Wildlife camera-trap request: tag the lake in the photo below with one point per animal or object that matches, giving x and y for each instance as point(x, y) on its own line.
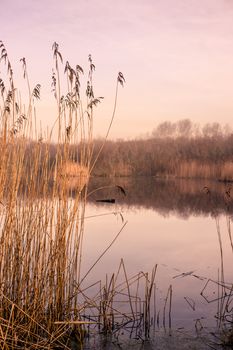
point(182, 227)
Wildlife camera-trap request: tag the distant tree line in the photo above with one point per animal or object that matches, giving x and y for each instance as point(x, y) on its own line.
point(180, 149)
point(185, 128)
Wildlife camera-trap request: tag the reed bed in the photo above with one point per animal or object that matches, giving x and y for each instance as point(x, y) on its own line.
point(41, 227)
point(43, 302)
point(199, 170)
point(195, 169)
point(123, 305)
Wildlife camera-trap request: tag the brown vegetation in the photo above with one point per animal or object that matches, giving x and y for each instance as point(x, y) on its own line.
point(43, 302)
point(73, 175)
point(206, 154)
point(41, 234)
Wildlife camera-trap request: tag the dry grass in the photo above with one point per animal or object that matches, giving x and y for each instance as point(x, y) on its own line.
point(41, 227)
point(73, 175)
point(195, 169)
point(199, 170)
point(41, 235)
point(43, 302)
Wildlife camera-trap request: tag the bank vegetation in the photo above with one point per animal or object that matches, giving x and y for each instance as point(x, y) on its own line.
point(182, 150)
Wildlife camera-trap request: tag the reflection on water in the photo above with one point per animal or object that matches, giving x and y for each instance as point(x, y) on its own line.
point(180, 197)
point(187, 251)
point(160, 341)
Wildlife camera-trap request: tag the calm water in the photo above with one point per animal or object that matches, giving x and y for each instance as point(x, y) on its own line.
point(178, 225)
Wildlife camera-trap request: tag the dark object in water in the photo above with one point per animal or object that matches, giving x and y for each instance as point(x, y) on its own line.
point(111, 200)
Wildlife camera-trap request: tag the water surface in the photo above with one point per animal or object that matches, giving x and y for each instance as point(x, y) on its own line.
point(178, 226)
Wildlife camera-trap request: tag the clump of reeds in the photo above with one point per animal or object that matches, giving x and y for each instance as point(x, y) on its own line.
point(123, 305)
point(197, 169)
point(41, 226)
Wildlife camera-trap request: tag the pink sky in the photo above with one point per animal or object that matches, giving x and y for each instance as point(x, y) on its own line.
point(176, 55)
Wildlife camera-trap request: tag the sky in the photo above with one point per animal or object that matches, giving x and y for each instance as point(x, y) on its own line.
point(176, 56)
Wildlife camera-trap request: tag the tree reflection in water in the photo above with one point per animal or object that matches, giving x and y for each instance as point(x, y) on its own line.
point(174, 196)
